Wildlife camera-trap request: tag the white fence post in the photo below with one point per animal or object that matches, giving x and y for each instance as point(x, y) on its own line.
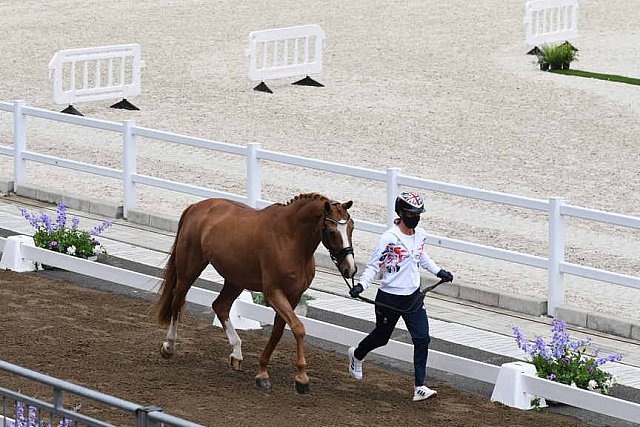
point(19, 145)
point(392, 193)
point(129, 167)
point(254, 178)
point(555, 290)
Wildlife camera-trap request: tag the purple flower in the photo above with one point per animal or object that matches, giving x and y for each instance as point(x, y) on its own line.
point(31, 217)
point(53, 244)
point(76, 222)
point(523, 344)
point(32, 419)
point(567, 357)
point(61, 218)
point(540, 347)
point(47, 222)
point(100, 228)
point(560, 338)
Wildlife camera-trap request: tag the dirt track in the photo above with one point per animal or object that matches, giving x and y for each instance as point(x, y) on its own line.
point(110, 343)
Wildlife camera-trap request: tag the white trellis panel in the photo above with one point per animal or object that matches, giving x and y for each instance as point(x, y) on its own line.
point(285, 52)
point(96, 73)
point(549, 21)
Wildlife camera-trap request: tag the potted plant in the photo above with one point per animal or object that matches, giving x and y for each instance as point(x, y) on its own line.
point(60, 236)
point(567, 361)
point(556, 57)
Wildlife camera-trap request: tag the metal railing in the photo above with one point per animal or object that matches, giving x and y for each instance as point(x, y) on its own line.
point(145, 416)
point(556, 208)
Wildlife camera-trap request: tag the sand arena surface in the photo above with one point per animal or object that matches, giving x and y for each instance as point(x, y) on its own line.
point(110, 343)
point(442, 90)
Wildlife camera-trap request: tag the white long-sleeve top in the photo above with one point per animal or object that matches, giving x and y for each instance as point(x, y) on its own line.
point(398, 256)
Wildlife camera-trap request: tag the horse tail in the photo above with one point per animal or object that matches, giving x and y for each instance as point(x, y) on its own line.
point(164, 305)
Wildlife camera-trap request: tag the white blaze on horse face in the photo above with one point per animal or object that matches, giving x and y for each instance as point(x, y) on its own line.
point(351, 262)
point(234, 340)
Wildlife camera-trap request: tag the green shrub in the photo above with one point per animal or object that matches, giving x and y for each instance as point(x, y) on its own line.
point(556, 57)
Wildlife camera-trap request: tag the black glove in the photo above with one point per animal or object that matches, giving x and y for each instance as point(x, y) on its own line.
point(445, 275)
point(356, 290)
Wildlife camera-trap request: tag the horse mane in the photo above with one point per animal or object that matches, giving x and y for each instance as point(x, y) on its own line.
point(307, 196)
point(303, 197)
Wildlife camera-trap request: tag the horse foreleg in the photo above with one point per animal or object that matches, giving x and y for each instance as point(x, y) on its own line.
point(262, 378)
point(221, 306)
point(169, 346)
point(235, 358)
point(284, 309)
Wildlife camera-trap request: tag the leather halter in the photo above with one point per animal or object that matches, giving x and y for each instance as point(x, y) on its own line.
point(336, 256)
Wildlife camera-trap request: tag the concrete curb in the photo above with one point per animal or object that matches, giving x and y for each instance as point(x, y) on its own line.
point(84, 205)
point(6, 187)
point(619, 326)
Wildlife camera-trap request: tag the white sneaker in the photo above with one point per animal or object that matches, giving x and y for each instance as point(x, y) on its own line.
point(423, 392)
point(355, 365)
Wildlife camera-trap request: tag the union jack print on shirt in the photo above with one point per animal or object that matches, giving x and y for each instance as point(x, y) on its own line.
point(392, 256)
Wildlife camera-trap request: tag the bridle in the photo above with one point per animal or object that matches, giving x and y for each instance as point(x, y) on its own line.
point(336, 256)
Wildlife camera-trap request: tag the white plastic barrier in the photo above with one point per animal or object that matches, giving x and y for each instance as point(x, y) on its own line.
point(285, 52)
point(96, 73)
point(508, 389)
point(549, 21)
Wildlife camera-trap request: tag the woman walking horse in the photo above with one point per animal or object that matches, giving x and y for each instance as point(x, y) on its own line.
point(269, 251)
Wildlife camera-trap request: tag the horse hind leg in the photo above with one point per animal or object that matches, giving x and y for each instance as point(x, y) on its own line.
point(185, 278)
point(168, 347)
point(221, 307)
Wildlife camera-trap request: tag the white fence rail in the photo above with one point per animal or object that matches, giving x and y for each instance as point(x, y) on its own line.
point(556, 208)
point(468, 368)
point(549, 21)
point(96, 73)
point(285, 52)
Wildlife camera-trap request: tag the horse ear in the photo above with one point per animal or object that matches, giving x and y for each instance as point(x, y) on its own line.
point(348, 204)
point(327, 207)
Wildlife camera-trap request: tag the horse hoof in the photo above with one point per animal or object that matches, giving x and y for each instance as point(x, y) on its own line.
point(164, 353)
point(263, 383)
point(235, 363)
point(302, 388)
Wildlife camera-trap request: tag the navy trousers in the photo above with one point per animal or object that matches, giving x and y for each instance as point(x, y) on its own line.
point(386, 320)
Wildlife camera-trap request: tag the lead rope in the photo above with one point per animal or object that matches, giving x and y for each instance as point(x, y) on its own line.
point(379, 304)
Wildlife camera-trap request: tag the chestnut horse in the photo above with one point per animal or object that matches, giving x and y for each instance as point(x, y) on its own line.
point(269, 250)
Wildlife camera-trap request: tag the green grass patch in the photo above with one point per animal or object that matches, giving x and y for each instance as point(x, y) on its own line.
point(599, 76)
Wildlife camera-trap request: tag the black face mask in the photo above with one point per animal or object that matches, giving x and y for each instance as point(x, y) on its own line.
point(411, 221)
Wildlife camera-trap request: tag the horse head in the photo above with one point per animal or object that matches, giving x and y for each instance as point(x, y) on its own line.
point(336, 236)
